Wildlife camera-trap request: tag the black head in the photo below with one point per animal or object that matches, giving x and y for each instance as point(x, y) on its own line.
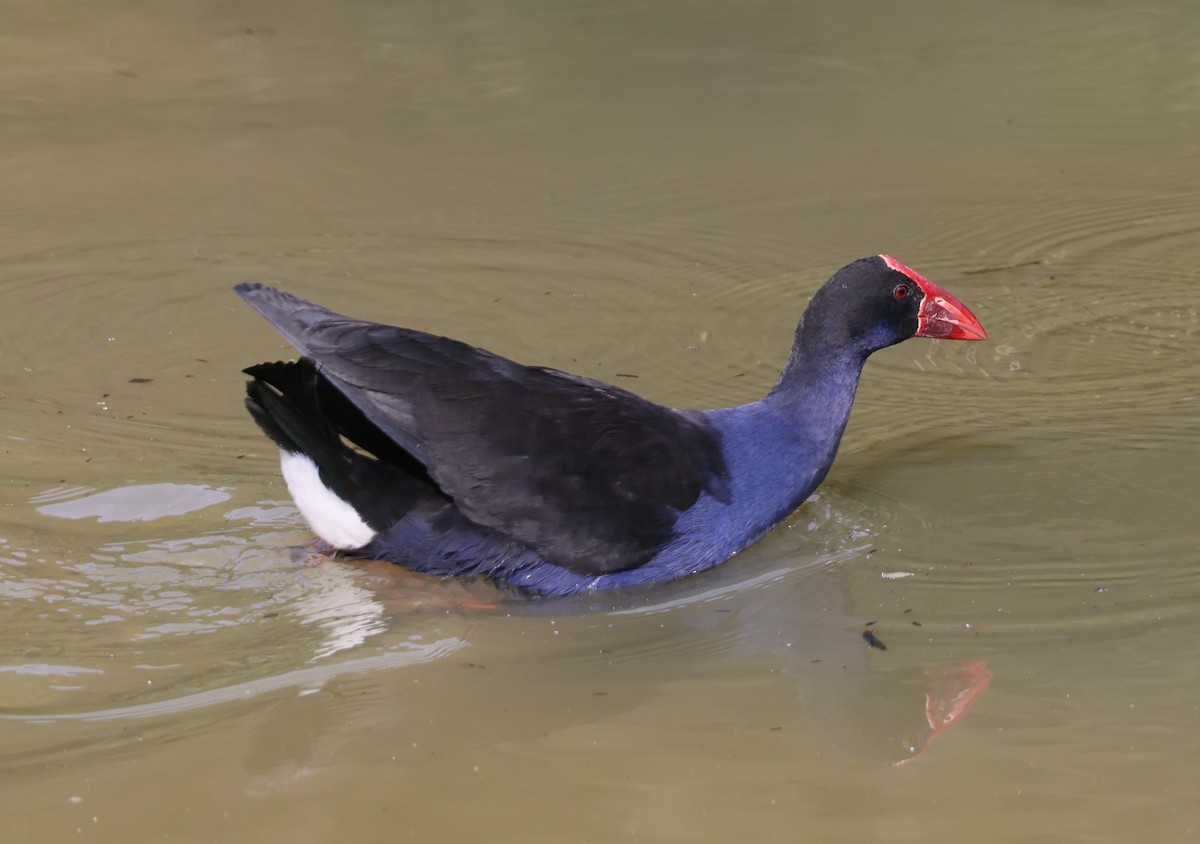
point(876, 302)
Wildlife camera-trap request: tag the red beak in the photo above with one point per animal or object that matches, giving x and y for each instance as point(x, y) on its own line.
point(940, 314)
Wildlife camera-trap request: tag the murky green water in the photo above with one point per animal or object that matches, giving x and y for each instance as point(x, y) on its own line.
point(645, 193)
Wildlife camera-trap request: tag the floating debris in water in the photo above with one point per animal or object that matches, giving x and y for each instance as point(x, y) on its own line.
point(871, 639)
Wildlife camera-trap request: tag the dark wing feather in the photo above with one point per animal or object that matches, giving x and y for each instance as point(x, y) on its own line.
point(590, 476)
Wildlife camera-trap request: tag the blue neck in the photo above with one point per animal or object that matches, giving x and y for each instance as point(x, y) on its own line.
point(777, 450)
point(780, 448)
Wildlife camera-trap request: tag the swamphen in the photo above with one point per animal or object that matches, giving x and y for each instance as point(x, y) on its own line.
point(467, 463)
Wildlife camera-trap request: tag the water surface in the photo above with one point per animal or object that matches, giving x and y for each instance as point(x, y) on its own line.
point(645, 194)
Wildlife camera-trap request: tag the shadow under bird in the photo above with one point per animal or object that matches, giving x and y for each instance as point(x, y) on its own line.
point(466, 463)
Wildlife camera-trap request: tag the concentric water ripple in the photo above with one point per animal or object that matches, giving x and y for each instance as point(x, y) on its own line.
point(1065, 443)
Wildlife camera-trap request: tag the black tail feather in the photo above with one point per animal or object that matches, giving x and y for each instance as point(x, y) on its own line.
point(302, 413)
point(289, 414)
point(315, 398)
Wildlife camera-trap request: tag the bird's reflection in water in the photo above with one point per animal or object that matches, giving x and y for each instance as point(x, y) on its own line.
point(867, 708)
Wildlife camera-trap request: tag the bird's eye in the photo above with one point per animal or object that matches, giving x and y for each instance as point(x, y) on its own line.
point(901, 292)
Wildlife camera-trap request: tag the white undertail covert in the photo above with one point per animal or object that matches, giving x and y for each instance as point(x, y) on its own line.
point(329, 516)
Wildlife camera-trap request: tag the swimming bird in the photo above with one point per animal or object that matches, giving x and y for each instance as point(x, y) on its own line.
point(447, 459)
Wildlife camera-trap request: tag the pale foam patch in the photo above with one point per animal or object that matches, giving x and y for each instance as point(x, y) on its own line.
point(329, 516)
point(134, 503)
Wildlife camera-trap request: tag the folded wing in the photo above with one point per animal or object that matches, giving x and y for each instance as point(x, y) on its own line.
point(590, 476)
